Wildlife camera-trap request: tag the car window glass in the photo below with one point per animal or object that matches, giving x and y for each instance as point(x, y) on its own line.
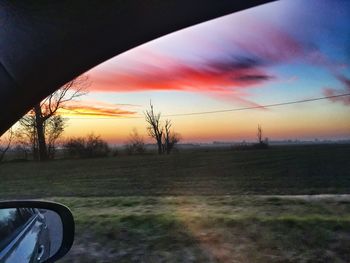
point(228, 141)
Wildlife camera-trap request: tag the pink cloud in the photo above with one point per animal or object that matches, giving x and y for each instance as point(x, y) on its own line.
point(333, 92)
point(234, 60)
point(148, 69)
point(177, 75)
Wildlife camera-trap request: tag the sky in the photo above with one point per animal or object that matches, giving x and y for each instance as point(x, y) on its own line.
point(279, 52)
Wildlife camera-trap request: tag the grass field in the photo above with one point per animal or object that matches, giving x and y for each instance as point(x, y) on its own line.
point(214, 205)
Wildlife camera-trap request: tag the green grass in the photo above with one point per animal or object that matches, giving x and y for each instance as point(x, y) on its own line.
point(199, 206)
point(210, 229)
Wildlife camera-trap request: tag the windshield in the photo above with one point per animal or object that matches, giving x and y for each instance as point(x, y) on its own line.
point(227, 141)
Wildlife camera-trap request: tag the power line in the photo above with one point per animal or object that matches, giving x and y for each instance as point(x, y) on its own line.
point(258, 107)
point(236, 109)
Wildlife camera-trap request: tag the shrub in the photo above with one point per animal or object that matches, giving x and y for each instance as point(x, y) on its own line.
point(96, 147)
point(262, 145)
point(90, 147)
point(115, 152)
point(75, 147)
point(135, 144)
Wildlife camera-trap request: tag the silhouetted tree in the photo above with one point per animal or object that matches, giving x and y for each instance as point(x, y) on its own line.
point(170, 139)
point(53, 131)
point(154, 128)
point(26, 135)
point(164, 137)
point(37, 120)
point(5, 143)
point(261, 144)
point(259, 134)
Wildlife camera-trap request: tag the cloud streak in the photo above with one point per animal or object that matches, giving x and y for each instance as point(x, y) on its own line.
point(245, 65)
point(97, 109)
point(181, 76)
point(219, 59)
point(333, 91)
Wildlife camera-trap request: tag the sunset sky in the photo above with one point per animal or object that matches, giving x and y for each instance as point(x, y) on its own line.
point(274, 53)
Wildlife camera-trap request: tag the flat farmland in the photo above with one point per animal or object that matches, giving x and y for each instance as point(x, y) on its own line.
point(210, 205)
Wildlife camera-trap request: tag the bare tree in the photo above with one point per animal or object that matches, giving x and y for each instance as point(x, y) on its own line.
point(170, 139)
point(48, 108)
point(26, 135)
point(53, 130)
point(5, 144)
point(262, 144)
point(165, 138)
point(260, 134)
point(154, 128)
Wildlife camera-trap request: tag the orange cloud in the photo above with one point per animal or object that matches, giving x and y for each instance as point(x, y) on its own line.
point(96, 109)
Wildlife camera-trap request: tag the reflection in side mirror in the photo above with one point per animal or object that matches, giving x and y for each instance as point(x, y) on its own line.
point(29, 232)
point(34, 234)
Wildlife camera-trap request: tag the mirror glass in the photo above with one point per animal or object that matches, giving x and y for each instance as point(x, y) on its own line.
point(29, 233)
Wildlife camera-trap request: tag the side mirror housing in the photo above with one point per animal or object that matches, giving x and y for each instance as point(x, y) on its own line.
point(34, 231)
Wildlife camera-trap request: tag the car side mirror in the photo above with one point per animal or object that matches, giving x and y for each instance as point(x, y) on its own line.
point(34, 231)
